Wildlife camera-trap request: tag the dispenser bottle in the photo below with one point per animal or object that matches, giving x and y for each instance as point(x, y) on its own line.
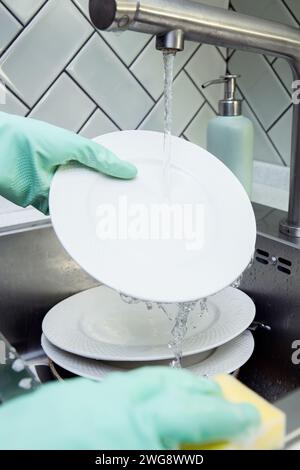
point(230, 136)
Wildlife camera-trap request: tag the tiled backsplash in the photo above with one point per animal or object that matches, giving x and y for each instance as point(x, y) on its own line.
point(266, 83)
point(58, 68)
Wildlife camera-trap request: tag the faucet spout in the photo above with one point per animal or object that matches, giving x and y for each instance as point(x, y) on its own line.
point(172, 41)
point(173, 21)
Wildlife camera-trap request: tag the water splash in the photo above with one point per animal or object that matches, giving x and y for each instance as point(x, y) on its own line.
point(251, 262)
point(168, 58)
point(179, 331)
point(164, 308)
point(180, 319)
point(237, 283)
point(203, 307)
point(129, 300)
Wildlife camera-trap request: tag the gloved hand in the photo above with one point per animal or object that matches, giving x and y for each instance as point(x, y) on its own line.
point(31, 151)
point(151, 408)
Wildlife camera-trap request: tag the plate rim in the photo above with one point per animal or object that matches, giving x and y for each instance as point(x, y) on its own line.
point(246, 336)
point(121, 354)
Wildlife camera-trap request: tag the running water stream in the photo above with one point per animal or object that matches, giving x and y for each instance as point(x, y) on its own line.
point(183, 310)
point(168, 57)
point(180, 327)
point(179, 320)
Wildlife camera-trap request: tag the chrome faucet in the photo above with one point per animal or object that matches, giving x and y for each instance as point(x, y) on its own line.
point(173, 21)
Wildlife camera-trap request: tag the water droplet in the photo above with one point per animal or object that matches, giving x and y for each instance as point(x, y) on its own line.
point(237, 283)
point(129, 300)
point(26, 384)
point(18, 365)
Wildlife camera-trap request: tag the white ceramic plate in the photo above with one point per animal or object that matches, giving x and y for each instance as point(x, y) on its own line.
point(225, 359)
point(104, 223)
point(97, 324)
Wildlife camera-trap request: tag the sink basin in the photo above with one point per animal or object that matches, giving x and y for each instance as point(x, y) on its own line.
point(36, 273)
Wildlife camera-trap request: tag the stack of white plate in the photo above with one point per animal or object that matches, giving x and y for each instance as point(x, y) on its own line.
point(95, 332)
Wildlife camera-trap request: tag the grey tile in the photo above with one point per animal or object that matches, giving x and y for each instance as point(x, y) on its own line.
point(295, 7)
point(259, 84)
point(127, 44)
point(224, 51)
point(270, 58)
point(197, 131)
point(281, 135)
point(268, 9)
point(208, 64)
point(64, 105)
point(111, 85)
point(148, 67)
point(285, 73)
point(215, 3)
point(24, 9)
point(43, 48)
point(10, 104)
point(9, 27)
point(187, 100)
point(97, 125)
point(84, 6)
point(263, 148)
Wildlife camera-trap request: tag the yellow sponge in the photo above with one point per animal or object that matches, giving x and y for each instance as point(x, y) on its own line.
point(272, 430)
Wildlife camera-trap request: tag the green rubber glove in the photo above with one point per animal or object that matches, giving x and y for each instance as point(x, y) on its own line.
point(31, 151)
point(151, 408)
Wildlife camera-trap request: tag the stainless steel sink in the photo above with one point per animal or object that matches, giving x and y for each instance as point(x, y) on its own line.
point(274, 284)
point(36, 273)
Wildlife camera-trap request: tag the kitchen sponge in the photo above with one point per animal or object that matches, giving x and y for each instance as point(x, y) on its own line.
point(271, 433)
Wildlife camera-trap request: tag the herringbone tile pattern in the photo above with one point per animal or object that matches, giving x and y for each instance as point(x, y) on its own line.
point(266, 83)
point(58, 68)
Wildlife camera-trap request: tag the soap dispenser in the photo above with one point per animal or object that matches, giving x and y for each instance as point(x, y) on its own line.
point(230, 136)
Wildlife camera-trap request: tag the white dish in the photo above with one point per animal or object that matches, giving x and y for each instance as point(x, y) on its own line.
point(88, 208)
point(225, 359)
point(97, 324)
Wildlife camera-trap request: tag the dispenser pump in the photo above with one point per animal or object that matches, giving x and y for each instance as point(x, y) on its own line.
point(230, 105)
